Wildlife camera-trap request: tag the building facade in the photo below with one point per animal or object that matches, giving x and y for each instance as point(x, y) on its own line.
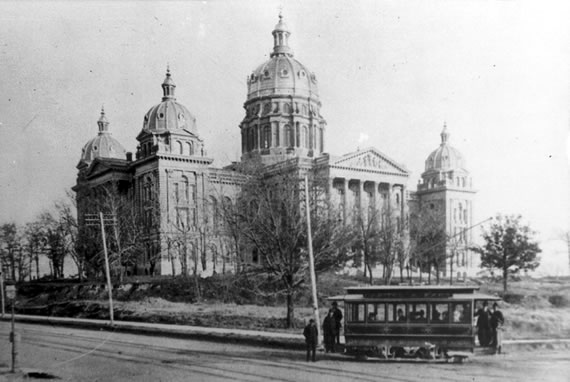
point(172, 180)
point(446, 188)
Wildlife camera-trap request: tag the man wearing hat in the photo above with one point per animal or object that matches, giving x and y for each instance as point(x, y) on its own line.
point(337, 314)
point(497, 320)
point(311, 334)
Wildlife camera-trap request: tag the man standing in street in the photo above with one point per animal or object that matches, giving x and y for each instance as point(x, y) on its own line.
point(311, 334)
point(337, 314)
point(329, 332)
point(484, 325)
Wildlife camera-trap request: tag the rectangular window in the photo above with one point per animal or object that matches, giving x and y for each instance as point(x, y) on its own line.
point(376, 312)
point(461, 312)
point(355, 312)
point(396, 312)
point(439, 313)
point(417, 312)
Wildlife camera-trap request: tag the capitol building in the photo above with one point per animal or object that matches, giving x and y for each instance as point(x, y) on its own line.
point(282, 126)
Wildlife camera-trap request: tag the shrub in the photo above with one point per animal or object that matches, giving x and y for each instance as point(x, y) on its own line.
point(559, 301)
point(513, 298)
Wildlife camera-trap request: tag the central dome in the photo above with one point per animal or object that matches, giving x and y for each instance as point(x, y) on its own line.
point(282, 74)
point(445, 157)
point(169, 115)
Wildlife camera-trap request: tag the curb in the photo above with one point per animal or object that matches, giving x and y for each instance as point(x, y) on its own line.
point(246, 337)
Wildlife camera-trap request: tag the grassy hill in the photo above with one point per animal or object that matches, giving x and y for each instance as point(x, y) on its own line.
point(533, 308)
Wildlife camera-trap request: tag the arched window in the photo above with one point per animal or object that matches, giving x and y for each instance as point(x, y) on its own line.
point(288, 136)
point(250, 139)
point(266, 136)
point(213, 218)
point(190, 148)
point(297, 134)
point(255, 137)
point(186, 188)
point(180, 147)
point(287, 108)
point(276, 134)
point(305, 142)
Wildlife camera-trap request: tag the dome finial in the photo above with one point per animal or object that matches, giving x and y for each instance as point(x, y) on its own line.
point(444, 134)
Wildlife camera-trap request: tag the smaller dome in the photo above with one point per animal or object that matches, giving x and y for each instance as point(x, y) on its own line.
point(103, 145)
point(169, 114)
point(445, 157)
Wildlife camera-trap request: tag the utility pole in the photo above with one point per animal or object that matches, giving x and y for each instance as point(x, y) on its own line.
point(91, 219)
point(14, 338)
point(2, 292)
point(311, 257)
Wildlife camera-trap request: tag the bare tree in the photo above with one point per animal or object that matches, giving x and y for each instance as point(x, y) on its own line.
point(428, 242)
point(272, 221)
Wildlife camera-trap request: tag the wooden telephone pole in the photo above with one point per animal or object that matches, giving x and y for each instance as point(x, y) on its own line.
point(91, 219)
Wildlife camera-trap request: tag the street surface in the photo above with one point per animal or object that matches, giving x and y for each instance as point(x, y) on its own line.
point(85, 355)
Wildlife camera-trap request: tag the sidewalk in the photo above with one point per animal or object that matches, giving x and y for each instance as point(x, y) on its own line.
point(248, 337)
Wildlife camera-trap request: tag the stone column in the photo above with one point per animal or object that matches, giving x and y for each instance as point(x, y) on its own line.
point(346, 206)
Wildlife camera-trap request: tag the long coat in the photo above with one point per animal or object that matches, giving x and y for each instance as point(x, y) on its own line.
point(311, 334)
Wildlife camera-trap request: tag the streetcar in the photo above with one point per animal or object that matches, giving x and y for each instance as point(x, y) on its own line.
point(427, 322)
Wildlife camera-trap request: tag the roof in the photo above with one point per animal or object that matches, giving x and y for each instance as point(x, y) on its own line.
point(456, 296)
point(452, 292)
point(412, 288)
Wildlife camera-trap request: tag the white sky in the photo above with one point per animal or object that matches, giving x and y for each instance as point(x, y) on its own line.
point(390, 73)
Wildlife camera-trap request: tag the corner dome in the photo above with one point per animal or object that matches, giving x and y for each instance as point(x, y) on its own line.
point(281, 74)
point(103, 145)
point(445, 157)
point(169, 115)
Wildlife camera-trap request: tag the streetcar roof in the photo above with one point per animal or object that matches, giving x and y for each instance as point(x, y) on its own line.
point(404, 289)
point(454, 297)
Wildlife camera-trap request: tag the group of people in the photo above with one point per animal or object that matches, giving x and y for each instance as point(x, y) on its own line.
point(331, 332)
point(488, 323)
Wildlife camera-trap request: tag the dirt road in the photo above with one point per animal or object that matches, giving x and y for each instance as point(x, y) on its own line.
point(84, 355)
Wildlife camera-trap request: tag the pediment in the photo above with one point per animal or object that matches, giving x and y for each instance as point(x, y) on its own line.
point(370, 159)
point(99, 166)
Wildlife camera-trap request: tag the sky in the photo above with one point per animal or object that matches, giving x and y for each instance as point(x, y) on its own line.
point(390, 74)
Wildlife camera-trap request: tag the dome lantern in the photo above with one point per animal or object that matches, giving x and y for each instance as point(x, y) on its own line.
point(168, 86)
point(103, 123)
point(444, 134)
point(281, 39)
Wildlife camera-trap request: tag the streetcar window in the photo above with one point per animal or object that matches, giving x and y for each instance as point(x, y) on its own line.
point(461, 312)
point(396, 312)
point(376, 312)
point(381, 312)
point(439, 312)
point(417, 312)
point(355, 312)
